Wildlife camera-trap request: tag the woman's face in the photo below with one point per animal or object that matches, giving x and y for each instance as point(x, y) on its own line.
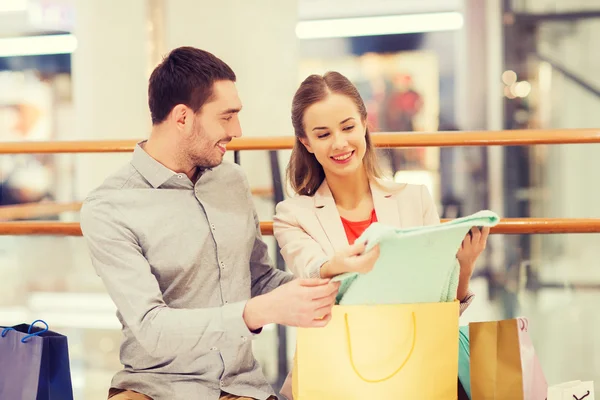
point(335, 134)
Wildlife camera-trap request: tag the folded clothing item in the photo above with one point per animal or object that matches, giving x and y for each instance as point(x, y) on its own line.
point(416, 265)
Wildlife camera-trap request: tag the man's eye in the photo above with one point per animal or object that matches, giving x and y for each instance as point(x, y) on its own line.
point(228, 118)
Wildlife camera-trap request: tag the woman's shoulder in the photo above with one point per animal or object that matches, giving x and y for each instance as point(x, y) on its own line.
point(294, 204)
point(399, 188)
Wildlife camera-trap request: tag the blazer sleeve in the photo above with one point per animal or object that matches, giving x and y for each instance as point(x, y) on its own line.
point(430, 214)
point(303, 255)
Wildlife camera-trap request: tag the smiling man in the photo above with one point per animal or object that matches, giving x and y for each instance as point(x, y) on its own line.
point(176, 240)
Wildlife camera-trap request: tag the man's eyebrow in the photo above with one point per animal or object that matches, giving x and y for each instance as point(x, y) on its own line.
point(232, 111)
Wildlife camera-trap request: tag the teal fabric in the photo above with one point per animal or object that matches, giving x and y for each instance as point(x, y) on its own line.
point(464, 359)
point(416, 265)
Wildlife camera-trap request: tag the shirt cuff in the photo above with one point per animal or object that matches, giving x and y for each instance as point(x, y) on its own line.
point(314, 270)
point(233, 321)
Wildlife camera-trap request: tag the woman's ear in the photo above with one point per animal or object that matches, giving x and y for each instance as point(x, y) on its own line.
point(306, 144)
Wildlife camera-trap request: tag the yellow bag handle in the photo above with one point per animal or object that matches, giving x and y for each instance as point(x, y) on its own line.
point(412, 347)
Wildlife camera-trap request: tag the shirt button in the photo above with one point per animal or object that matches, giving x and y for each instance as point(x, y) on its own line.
point(180, 176)
point(222, 383)
point(212, 226)
point(226, 302)
point(222, 265)
point(244, 339)
point(213, 348)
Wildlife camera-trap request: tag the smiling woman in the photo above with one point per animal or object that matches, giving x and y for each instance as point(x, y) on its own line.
point(333, 169)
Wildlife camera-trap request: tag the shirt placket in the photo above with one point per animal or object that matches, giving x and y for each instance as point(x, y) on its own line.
point(222, 271)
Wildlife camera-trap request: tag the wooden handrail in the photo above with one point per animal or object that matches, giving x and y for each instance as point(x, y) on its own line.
point(510, 226)
point(381, 139)
point(49, 209)
point(36, 210)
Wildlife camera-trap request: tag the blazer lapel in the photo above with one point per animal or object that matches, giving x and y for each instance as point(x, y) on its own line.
point(329, 217)
point(386, 205)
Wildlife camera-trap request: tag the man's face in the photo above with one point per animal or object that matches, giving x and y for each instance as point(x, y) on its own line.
point(214, 126)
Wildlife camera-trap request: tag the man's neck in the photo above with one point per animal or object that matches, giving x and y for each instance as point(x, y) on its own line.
point(161, 146)
point(349, 191)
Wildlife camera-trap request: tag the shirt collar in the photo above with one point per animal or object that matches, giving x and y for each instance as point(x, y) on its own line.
point(153, 171)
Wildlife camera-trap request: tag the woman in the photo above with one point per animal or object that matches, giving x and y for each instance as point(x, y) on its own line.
point(333, 170)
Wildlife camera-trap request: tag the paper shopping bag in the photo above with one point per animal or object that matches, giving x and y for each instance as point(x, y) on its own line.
point(34, 364)
point(574, 390)
point(380, 352)
point(503, 362)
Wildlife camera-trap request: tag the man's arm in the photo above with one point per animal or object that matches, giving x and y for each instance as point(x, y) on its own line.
point(264, 277)
point(161, 330)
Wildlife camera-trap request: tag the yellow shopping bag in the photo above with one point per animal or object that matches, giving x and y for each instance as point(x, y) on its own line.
point(405, 351)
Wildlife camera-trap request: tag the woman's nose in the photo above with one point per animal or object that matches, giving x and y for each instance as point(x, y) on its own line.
point(340, 142)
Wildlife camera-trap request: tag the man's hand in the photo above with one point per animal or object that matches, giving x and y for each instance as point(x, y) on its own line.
point(351, 259)
point(303, 303)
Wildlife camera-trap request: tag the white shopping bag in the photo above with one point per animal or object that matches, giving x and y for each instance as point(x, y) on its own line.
point(574, 390)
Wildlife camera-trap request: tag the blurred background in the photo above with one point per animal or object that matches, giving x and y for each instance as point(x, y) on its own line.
point(78, 70)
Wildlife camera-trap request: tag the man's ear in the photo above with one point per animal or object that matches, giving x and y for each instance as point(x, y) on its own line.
point(181, 116)
point(306, 144)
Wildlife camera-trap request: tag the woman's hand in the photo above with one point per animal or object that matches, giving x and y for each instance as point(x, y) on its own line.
point(472, 246)
point(351, 259)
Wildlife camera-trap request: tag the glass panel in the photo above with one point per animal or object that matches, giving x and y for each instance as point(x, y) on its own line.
point(567, 44)
point(554, 6)
point(559, 292)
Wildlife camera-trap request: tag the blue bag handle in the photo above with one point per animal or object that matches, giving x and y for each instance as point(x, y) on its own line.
point(24, 340)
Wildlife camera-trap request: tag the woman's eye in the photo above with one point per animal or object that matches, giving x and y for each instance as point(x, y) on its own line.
point(323, 135)
point(349, 128)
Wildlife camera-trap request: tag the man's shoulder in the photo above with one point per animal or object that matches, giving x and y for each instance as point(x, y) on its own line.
point(101, 195)
point(230, 169)
point(229, 174)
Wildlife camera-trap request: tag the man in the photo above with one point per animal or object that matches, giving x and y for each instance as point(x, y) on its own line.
point(175, 238)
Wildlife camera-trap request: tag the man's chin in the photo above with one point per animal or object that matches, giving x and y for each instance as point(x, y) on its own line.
point(207, 164)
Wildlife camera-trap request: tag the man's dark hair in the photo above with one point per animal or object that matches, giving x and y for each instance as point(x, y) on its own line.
point(185, 76)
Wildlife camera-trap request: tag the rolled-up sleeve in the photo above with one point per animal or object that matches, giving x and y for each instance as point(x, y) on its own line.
point(119, 261)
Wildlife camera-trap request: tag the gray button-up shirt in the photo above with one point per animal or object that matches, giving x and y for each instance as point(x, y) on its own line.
point(180, 260)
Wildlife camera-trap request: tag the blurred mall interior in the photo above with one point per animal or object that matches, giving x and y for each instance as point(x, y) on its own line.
point(78, 70)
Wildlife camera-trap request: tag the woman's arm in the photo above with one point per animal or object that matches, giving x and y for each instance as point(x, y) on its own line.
point(302, 254)
point(305, 256)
